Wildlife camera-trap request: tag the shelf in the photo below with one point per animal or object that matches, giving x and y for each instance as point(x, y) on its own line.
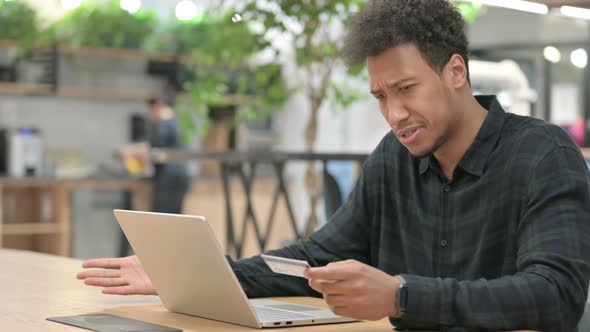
point(32, 228)
point(102, 93)
point(230, 99)
point(120, 53)
point(107, 92)
point(74, 92)
point(97, 93)
point(25, 89)
point(9, 43)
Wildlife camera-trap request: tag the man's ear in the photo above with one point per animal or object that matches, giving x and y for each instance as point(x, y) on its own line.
point(456, 71)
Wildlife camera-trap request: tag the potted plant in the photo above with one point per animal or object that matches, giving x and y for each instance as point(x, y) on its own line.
point(222, 73)
point(19, 23)
point(104, 25)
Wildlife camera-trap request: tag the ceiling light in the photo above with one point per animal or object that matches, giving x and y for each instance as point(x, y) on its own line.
point(526, 6)
point(552, 54)
point(186, 10)
point(579, 58)
point(131, 6)
point(70, 4)
point(576, 12)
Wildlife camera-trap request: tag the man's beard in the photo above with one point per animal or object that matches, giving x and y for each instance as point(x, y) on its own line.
point(442, 139)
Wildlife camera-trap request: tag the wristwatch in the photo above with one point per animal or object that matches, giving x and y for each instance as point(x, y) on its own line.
point(401, 298)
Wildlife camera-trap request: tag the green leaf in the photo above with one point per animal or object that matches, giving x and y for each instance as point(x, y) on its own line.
point(19, 22)
point(105, 25)
point(469, 11)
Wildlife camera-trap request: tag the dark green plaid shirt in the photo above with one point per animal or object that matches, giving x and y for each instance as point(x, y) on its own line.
point(504, 245)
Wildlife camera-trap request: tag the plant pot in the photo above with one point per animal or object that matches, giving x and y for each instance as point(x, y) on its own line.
point(220, 136)
point(222, 113)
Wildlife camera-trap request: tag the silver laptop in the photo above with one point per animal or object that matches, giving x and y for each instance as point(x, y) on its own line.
point(192, 276)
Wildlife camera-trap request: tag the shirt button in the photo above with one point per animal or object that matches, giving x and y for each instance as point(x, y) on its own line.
point(443, 243)
point(447, 188)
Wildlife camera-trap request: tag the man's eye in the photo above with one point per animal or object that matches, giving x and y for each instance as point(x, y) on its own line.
point(405, 88)
point(379, 97)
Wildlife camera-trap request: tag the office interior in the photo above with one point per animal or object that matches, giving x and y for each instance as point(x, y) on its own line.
point(70, 106)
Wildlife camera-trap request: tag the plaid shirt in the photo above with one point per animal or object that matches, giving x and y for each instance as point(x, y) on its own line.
point(504, 245)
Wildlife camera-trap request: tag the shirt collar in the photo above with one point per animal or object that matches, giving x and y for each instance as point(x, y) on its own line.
point(424, 162)
point(477, 155)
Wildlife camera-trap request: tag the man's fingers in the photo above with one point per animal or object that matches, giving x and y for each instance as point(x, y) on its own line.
point(316, 285)
point(99, 274)
point(106, 282)
point(341, 270)
point(102, 263)
point(122, 290)
point(346, 287)
point(344, 311)
point(339, 300)
point(331, 272)
point(324, 286)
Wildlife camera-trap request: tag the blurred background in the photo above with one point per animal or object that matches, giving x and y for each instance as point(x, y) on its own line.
point(253, 95)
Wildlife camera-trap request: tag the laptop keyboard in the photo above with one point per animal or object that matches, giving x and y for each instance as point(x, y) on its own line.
point(270, 314)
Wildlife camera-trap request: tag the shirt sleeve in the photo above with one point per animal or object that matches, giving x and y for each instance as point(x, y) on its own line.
point(345, 236)
point(548, 292)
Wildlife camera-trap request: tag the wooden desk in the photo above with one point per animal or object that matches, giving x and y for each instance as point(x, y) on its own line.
point(26, 198)
point(35, 286)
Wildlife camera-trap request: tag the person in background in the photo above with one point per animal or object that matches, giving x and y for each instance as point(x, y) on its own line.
point(171, 180)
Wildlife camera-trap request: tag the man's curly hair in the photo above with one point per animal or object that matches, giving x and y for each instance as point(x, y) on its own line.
point(435, 27)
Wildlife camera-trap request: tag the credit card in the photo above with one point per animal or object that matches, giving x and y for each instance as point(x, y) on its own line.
point(288, 266)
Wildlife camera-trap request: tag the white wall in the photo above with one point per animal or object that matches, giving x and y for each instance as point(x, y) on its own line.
point(96, 128)
point(499, 26)
point(507, 27)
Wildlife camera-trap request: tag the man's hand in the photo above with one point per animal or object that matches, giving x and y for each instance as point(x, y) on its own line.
point(356, 290)
point(121, 276)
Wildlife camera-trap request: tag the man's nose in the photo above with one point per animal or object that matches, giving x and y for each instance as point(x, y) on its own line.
point(396, 113)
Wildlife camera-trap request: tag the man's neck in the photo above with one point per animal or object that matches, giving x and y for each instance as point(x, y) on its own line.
point(470, 122)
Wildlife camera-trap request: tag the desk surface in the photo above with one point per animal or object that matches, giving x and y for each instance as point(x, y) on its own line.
point(35, 286)
point(235, 156)
point(91, 182)
point(170, 155)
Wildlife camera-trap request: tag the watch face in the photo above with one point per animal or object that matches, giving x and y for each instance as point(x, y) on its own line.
point(403, 297)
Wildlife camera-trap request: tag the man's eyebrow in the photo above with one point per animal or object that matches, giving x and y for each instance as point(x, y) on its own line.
point(392, 84)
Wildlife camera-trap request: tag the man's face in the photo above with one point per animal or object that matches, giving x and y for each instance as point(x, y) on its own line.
point(155, 112)
point(413, 98)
